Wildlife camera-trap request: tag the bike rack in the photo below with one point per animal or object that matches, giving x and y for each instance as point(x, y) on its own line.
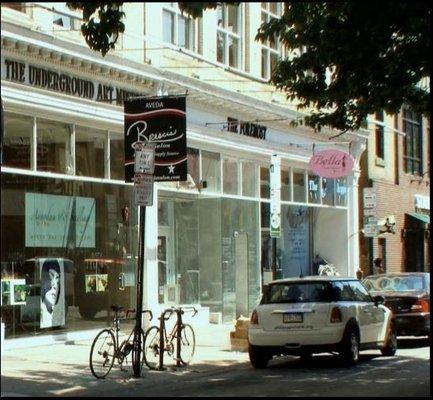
point(162, 319)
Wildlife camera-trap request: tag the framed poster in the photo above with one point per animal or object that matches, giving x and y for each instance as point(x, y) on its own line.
point(18, 291)
point(52, 277)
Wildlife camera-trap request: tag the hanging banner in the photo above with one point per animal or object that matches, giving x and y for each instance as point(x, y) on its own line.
point(275, 186)
point(160, 121)
point(331, 163)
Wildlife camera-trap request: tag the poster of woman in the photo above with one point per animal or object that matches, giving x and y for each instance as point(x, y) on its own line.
point(52, 294)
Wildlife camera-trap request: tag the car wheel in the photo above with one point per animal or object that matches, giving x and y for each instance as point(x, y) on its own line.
point(350, 347)
point(259, 359)
point(390, 347)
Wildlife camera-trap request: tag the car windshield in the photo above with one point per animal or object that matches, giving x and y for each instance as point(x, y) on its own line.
point(298, 292)
point(397, 283)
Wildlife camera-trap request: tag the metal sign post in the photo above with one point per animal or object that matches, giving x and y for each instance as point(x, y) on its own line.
point(143, 194)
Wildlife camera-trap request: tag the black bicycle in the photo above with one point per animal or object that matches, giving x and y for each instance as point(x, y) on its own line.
point(106, 346)
point(181, 333)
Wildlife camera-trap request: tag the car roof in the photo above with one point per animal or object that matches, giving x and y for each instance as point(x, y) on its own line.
point(314, 278)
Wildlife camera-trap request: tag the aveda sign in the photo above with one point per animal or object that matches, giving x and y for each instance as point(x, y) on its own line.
point(331, 163)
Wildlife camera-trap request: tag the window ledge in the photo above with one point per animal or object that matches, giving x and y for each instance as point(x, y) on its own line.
point(380, 162)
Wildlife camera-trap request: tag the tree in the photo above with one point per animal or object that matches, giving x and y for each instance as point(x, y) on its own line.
point(356, 58)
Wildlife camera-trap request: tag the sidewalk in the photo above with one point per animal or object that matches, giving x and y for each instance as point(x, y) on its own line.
point(63, 369)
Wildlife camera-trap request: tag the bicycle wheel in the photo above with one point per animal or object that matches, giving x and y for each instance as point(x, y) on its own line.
point(151, 347)
point(102, 353)
point(136, 366)
point(187, 344)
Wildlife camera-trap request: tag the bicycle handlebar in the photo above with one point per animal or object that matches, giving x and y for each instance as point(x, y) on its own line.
point(143, 312)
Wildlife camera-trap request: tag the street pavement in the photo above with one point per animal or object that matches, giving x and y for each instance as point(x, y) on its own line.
point(62, 370)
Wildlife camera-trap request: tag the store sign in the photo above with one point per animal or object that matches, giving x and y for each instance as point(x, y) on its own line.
point(61, 82)
point(275, 186)
point(59, 221)
point(246, 128)
point(160, 121)
point(331, 163)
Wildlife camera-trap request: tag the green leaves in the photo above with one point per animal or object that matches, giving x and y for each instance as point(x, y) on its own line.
point(358, 58)
point(102, 24)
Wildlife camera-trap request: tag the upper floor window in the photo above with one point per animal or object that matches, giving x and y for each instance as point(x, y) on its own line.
point(178, 29)
point(271, 49)
point(229, 35)
point(379, 135)
point(412, 151)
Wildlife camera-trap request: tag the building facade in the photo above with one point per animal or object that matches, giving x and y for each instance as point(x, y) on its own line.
point(68, 220)
point(397, 168)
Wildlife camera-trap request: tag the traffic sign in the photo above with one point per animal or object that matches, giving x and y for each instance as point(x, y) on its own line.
point(144, 158)
point(369, 195)
point(143, 189)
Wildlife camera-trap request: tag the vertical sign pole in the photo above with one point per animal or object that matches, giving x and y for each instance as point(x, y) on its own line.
point(139, 308)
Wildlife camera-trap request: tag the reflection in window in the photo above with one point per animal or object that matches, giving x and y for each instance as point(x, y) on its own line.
point(299, 186)
point(313, 189)
point(230, 176)
point(249, 179)
point(211, 171)
point(54, 149)
point(17, 141)
point(117, 156)
point(271, 49)
point(89, 151)
point(285, 185)
point(328, 189)
point(341, 192)
point(168, 26)
point(193, 162)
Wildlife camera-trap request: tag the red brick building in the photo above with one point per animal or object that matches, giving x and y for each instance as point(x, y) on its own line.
point(396, 166)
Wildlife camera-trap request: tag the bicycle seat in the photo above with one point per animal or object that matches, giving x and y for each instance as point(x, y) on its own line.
point(116, 308)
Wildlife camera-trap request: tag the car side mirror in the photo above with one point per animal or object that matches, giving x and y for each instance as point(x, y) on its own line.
point(378, 300)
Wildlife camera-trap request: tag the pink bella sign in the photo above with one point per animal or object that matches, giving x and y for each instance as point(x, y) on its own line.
point(331, 163)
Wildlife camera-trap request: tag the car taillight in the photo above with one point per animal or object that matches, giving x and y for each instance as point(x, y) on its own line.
point(421, 306)
point(254, 318)
point(336, 315)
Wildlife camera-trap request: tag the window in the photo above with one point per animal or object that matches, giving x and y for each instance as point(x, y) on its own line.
point(230, 176)
point(229, 35)
point(412, 151)
point(17, 141)
point(117, 156)
point(381, 250)
point(54, 147)
point(249, 179)
point(299, 186)
point(313, 189)
point(328, 191)
point(211, 171)
point(379, 136)
point(341, 192)
point(271, 49)
point(265, 189)
point(360, 293)
point(90, 151)
point(285, 185)
point(178, 29)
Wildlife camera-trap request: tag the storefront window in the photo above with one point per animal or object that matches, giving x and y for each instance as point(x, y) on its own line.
point(285, 185)
point(328, 191)
point(90, 151)
point(265, 190)
point(17, 141)
point(54, 147)
point(211, 171)
point(70, 251)
point(341, 192)
point(117, 156)
point(313, 189)
point(230, 176)
point(249, 179)
point(193, 162)
point(299, 186)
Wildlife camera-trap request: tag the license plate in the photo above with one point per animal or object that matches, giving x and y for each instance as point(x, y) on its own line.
point(293, 317)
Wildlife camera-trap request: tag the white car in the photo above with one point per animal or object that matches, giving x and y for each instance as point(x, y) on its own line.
point(319, 314)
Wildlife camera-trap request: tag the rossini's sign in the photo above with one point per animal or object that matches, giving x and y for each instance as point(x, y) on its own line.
point(61, 82)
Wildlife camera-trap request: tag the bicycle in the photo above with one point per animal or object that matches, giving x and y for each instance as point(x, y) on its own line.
point(185, 336)
point(106, 346)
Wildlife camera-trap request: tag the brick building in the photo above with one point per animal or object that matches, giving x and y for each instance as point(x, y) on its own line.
point(397, 166)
